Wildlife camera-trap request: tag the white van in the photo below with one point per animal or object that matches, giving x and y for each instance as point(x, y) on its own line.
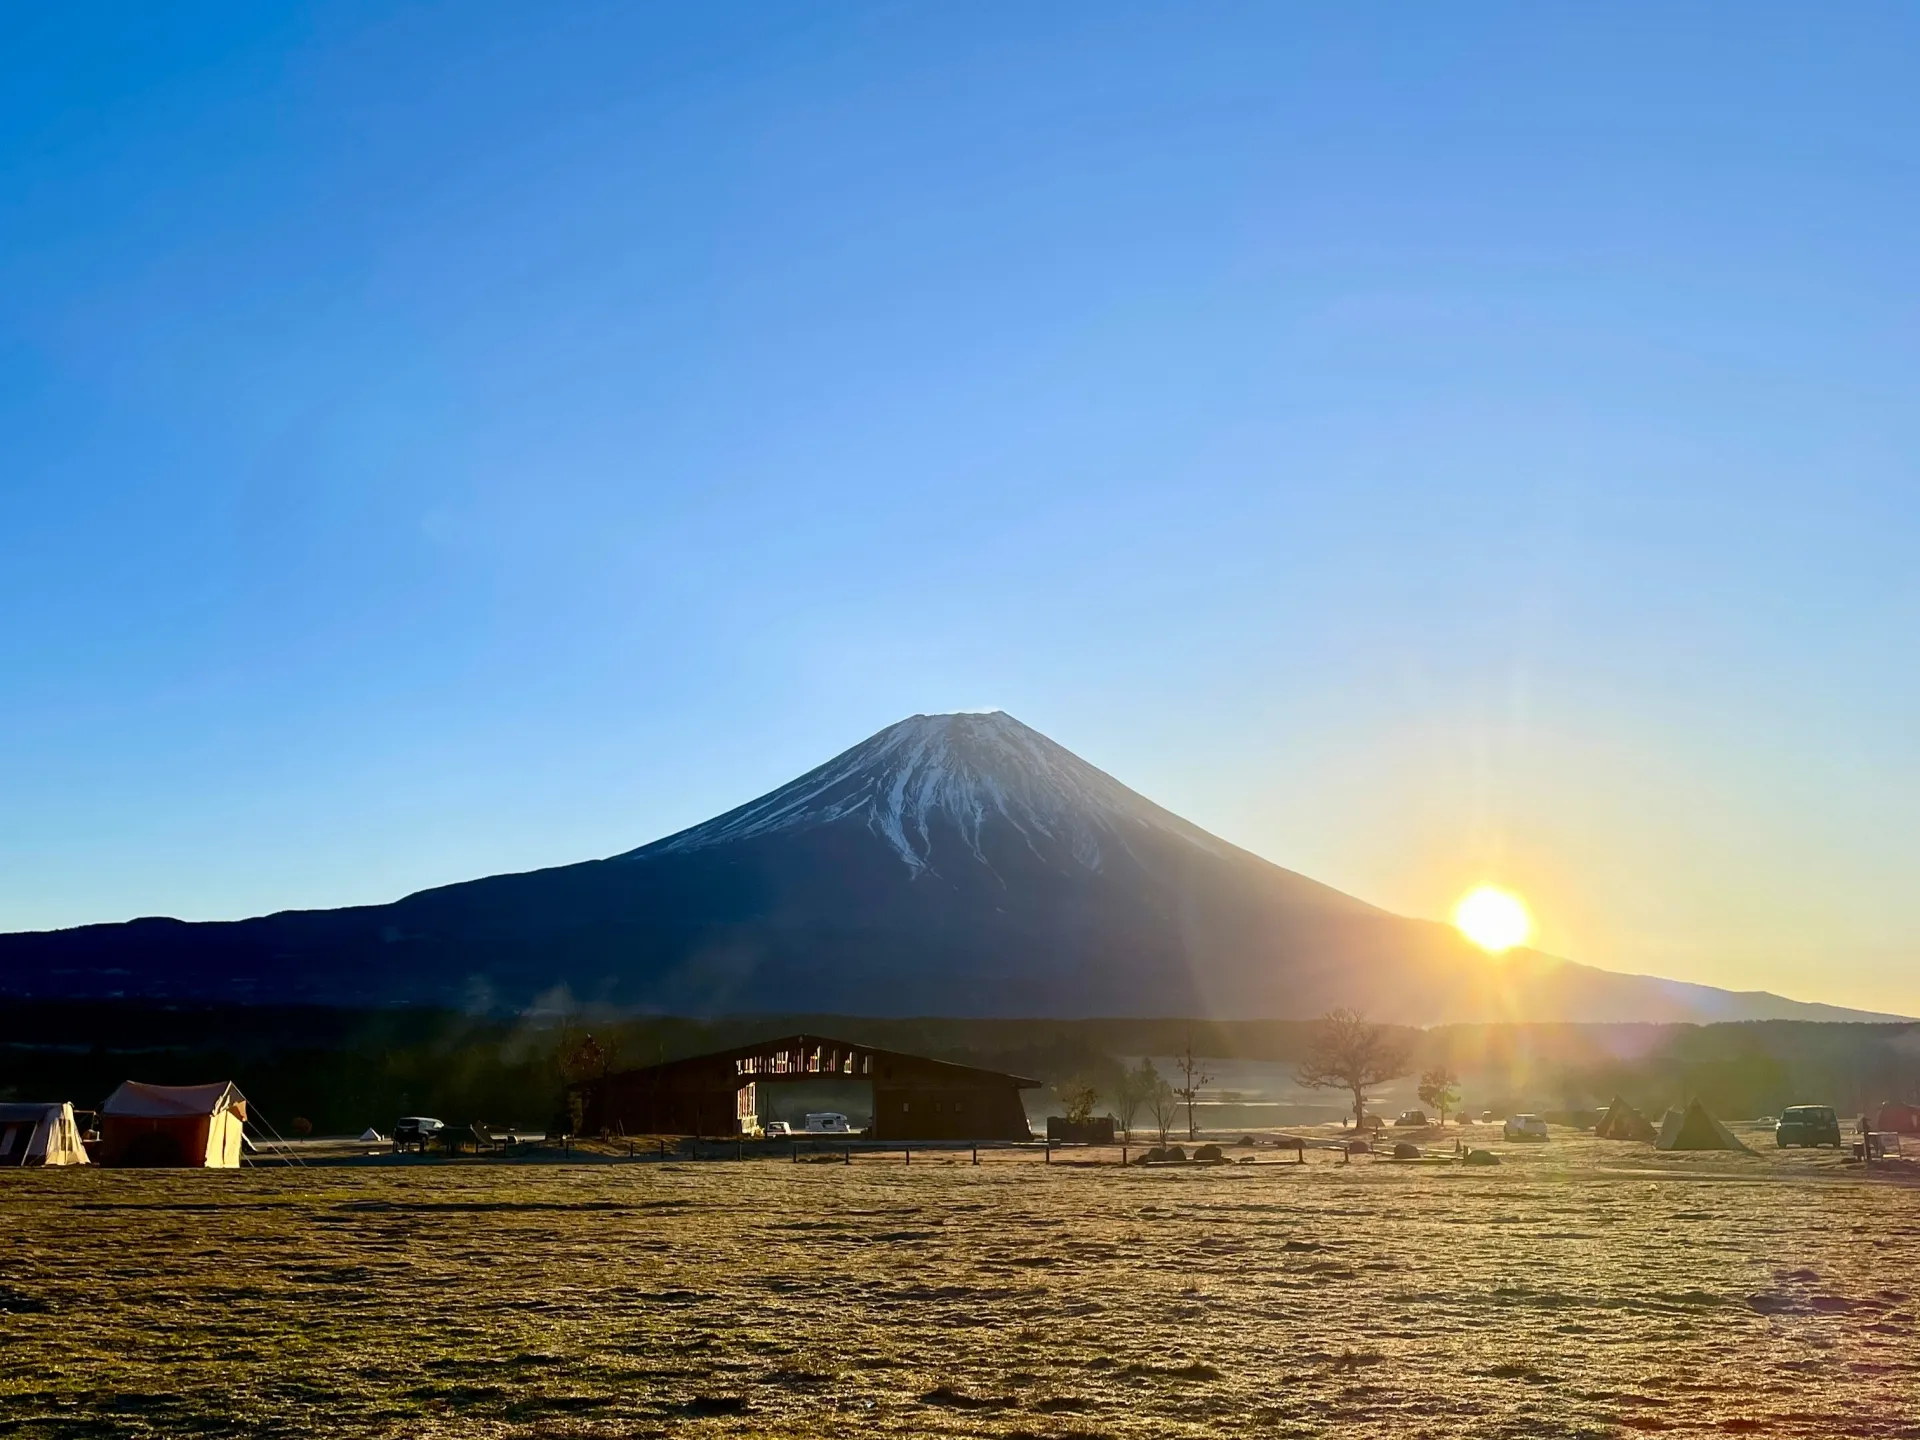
point(1526, 1127)
point(827, 1122)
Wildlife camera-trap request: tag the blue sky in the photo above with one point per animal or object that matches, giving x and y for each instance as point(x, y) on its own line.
point(1424, 447)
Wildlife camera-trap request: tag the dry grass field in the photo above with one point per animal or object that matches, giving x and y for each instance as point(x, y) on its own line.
point(1578, 1289)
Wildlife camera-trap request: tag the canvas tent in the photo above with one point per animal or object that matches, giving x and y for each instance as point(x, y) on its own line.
point(1694, 1129)
point(193, 1125)
point(1901, 1119)
point(41, 1133)
point(1623, 1122)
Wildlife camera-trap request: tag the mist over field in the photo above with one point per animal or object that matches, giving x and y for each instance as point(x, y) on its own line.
point(344, 1070)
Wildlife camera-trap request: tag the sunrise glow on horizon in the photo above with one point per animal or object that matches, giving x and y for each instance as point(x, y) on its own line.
point(1494, 919)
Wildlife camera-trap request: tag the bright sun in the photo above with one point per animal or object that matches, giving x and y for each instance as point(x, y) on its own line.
point(1493, 919)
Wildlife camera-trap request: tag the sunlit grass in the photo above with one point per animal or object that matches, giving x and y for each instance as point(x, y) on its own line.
point(1546, 1297)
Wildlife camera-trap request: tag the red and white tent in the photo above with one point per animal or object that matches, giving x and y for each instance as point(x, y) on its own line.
point(192, 1125)
point(1902, 1119)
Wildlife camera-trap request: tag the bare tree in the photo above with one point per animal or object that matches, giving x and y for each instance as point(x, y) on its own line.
point(1135, 1090)
point(1192, 1079)
point(1440, 1088)
point(1347, 1053)
point(1161, 1105)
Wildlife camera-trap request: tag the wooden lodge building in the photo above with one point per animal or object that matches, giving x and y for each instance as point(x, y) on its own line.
point(914, 1098)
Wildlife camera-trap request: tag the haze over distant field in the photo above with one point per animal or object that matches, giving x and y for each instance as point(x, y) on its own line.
point(1424, 450)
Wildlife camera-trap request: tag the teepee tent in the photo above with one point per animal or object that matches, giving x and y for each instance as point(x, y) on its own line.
point(193, 1125)
point(1623, 1122)
point(41, 1133)
point(1694, 1129)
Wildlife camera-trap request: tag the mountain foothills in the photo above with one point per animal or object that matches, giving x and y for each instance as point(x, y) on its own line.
point(960, 865)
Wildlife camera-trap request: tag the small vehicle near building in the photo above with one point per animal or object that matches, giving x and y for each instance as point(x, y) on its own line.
point(1808, 1126)
point(776, 1130)
point(412, 1132)
point(1525, 1127)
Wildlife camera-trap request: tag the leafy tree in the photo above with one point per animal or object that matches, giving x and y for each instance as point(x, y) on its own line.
point(583, 1062)
point(1348, 1053)
point(586, 1061)
point(1193, 1078)
point(1079, 1096)
point(1440, 1088)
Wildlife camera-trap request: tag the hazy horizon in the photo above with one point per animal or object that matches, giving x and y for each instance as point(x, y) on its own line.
point(457, 441)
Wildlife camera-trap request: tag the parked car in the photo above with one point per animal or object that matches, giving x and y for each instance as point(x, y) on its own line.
point(1808, 1126)
point(1525, 1127)
point(828, 1122)
point(1412, 1119)
point(1487, 1117)
point(777, 1130)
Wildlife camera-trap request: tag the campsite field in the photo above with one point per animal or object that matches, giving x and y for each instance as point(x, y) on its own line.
point(1580, 1288)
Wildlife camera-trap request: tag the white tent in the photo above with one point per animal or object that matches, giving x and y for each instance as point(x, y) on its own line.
point(40, 1134)
point(196, 1125)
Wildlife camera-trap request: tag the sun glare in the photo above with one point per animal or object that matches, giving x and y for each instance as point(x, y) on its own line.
point(1493, 919)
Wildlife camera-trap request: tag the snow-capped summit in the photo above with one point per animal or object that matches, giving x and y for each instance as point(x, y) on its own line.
point(949, 865)
point(931, 779)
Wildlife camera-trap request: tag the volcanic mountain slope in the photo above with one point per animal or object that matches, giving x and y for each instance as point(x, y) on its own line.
point(951, 864)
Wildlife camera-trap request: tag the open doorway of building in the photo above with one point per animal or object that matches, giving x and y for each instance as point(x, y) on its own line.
point(793, 1100)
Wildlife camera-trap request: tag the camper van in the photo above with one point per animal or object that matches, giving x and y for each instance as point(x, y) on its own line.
point(827, 1122)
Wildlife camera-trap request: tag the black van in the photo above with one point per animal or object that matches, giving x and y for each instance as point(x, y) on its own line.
point(1808, 1125)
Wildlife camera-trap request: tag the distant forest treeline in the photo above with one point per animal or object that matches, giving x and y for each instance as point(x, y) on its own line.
point(344, 1069)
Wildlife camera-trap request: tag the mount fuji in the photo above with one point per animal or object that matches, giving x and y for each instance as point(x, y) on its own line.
point(960, 865)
